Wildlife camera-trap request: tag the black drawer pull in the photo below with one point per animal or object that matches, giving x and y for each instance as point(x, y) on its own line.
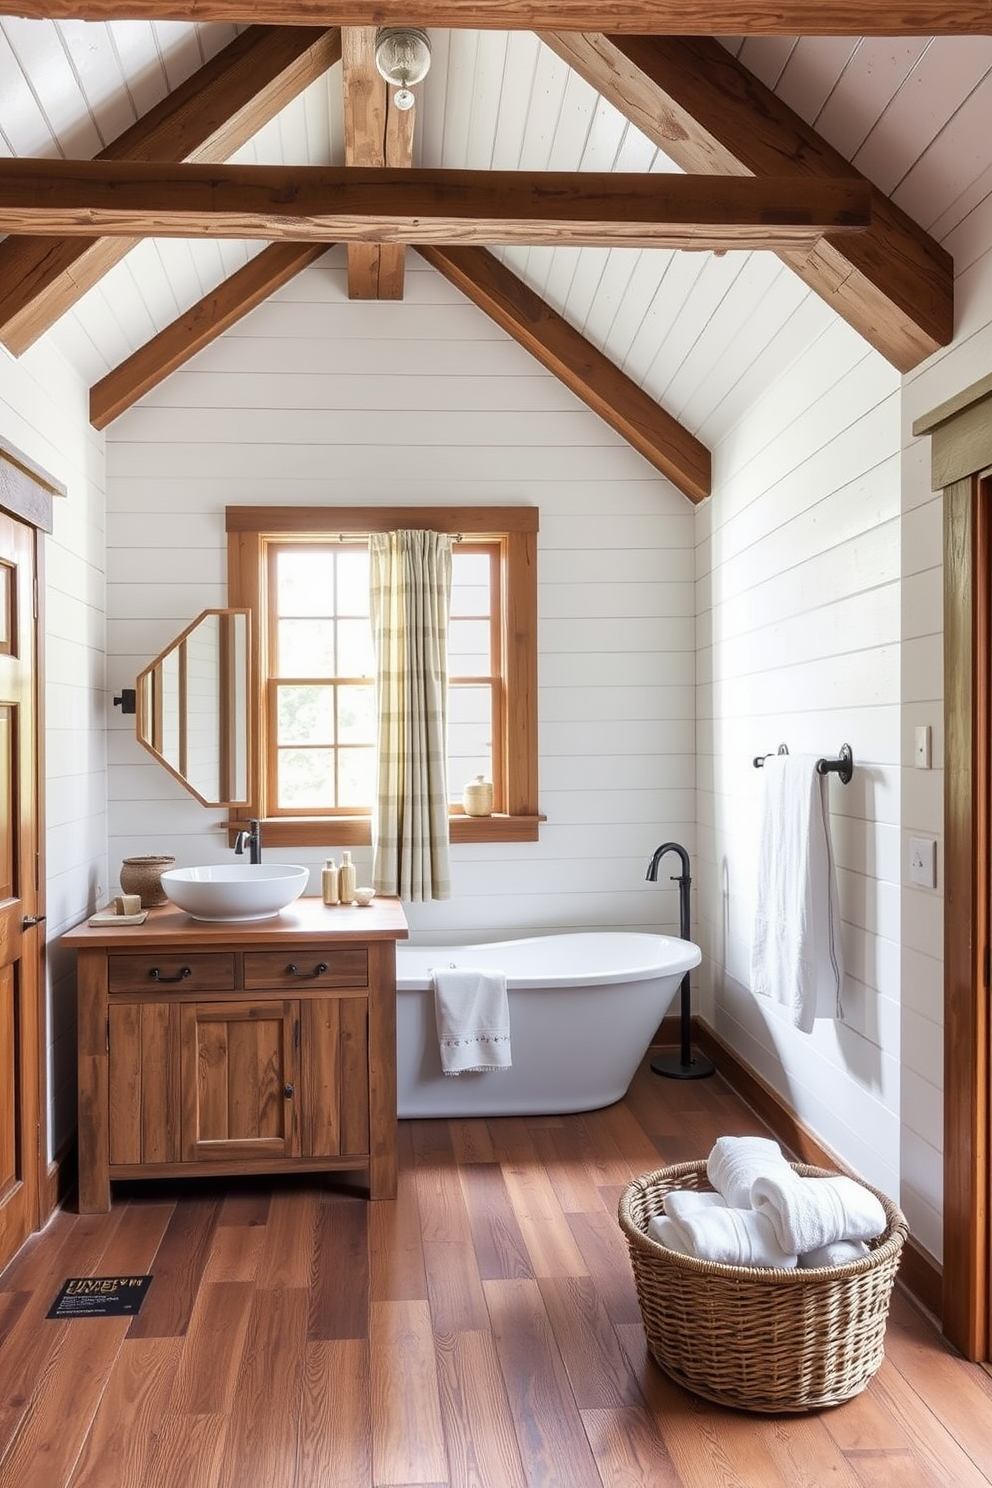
point(294, 971)
point(181, 975)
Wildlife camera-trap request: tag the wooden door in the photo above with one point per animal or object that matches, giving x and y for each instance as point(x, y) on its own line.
point(21, 983)
point(239, 1080)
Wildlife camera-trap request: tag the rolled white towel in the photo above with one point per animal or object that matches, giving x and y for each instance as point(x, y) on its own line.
point(666, 1232)
point(733, 1237)
point(837, 1254)
point(807, 1213)
point(735, 1163)
point(681, 1203)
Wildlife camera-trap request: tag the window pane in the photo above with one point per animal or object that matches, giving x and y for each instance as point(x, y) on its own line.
point(356, 657)
point(356, 778)
point(468, 648)
point(305, 583)
point(470, 733)
point(305, 715)
point(306, 648)
point(306, 778)
point(469, 583)
point(356, 715)
point(353, 581)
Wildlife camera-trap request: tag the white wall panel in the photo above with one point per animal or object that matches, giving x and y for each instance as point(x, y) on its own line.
point(43, 412)
point(801, 633)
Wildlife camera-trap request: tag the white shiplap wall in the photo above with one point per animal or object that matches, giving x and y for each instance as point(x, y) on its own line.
point(44, 413)
point(798, 575)
point(316, 399)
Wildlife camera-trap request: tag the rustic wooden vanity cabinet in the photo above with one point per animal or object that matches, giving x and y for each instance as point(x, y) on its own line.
point(220, 1049)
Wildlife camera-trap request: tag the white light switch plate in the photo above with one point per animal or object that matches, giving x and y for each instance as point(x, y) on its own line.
point(923, 862)
point(924, 747)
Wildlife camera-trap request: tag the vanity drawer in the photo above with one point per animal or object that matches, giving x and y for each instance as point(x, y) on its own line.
point(154, 971)
point(307, 967)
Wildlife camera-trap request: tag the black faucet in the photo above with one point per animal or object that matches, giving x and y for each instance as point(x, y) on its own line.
point(687, 1067)
point(252, 839)
point(683, 882)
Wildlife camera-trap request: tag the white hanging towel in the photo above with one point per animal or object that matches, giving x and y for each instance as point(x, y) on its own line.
point(473, 1019)
point(796, 957)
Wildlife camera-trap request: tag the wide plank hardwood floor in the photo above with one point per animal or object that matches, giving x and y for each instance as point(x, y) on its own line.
point(481, 1331)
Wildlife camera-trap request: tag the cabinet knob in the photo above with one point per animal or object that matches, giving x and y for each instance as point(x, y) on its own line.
point(289, 1091)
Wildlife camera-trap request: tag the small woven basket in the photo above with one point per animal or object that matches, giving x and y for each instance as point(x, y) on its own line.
point(760, 1340)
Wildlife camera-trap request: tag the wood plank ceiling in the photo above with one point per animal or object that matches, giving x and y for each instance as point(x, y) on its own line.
point(758, 177)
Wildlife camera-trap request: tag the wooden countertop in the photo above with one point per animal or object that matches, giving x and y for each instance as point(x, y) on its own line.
point(307, 920)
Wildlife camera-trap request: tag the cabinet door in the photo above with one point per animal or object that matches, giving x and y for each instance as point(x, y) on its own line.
point(239, 1079)
point(144, 1082)
point(334, 1076)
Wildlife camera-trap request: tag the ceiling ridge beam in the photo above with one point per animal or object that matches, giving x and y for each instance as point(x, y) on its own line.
point(376, 133)
point(352, 204)
point(587, 372)
point(204, 322)
point(707, 113)
point(634, 17)
point(207, 118)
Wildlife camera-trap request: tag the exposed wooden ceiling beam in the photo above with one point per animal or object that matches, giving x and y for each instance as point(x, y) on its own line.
point(201, 324)
point(207, 118)
point(318, 203)
point(695, 101)
point(600, 384)
point(633, 17)
point(375, 134)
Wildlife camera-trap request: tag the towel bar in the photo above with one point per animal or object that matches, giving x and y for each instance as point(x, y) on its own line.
point(842, 766)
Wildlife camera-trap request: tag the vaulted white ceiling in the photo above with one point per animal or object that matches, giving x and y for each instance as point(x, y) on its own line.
point(700, 333)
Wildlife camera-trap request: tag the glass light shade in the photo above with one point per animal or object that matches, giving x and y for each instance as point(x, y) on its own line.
point(402, 54)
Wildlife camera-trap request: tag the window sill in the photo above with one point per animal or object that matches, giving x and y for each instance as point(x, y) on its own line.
point(356, 831)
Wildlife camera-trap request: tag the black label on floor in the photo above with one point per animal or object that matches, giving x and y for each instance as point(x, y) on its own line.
point(100, 1296)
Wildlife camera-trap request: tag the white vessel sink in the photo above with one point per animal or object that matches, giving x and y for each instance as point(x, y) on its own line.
point(235, 891)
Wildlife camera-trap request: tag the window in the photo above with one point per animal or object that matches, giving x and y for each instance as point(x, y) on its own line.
point(303, 573)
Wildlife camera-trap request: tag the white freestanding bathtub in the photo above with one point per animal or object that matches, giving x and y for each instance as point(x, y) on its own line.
point(583, 1010)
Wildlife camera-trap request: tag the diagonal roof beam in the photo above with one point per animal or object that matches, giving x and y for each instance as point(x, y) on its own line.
point(894, 284)
point(375, 133)
point(661, 439)
point(350, 204)
point(207, 118)
point(634, 17)
point(198, 326)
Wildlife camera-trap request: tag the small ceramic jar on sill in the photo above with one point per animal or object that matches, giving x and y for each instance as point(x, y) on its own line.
point(477, 797)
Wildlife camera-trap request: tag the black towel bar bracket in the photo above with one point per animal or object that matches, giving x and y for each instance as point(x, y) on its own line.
point(842, 766)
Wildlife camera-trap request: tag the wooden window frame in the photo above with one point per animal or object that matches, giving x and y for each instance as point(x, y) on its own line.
point(515, 754)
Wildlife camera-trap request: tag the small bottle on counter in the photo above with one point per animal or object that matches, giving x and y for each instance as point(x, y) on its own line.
point(329, 882)
point(346, 879)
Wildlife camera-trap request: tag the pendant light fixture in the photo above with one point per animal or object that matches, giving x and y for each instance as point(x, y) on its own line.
point(403, 57)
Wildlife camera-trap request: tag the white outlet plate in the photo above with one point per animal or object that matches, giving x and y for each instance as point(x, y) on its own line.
point(923, 862)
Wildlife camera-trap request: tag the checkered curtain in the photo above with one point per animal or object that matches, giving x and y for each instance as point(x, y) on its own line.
point(410, 594)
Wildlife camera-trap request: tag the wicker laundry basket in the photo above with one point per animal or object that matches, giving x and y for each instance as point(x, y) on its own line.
point(760, 1340)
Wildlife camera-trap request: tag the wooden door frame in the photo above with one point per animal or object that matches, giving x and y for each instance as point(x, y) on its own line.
point(26, 493)
point(961, 457)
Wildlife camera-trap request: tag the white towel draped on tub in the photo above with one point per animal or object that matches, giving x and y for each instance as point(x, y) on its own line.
point(796, 957)
point(473, 1019)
